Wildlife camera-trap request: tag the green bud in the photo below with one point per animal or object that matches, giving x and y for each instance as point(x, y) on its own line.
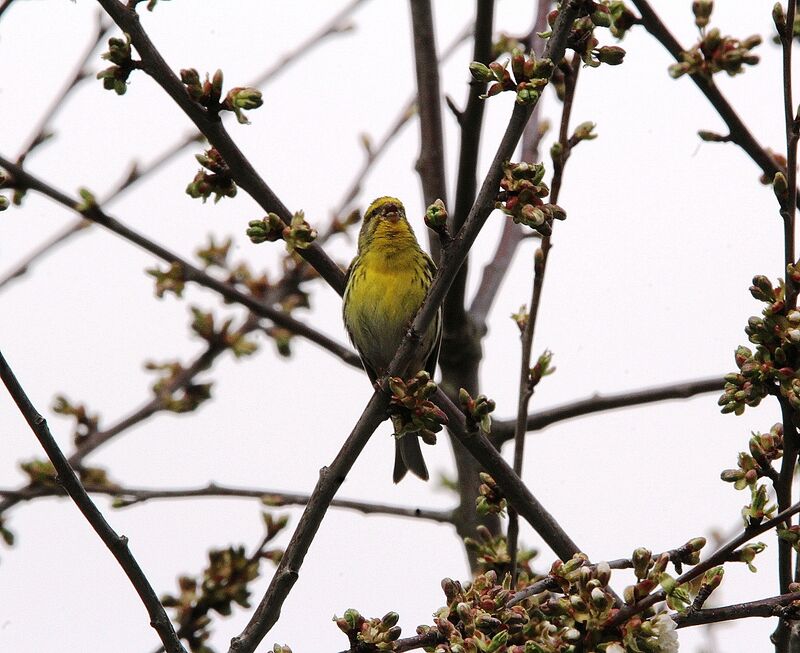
point(584, 132)
point(436, 215)
point(779, 18)
point(390, 619)
point(3, 203)
point(601, 16)
point(712, 137)
point(702, 11)
point(527, 95)
point(641, 560)
point(480, 72)
point(713, 577)
point(610, 54)
point(780, 186)
point(696, 543)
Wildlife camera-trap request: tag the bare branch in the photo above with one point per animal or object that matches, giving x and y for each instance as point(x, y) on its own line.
point(118, 545)
point(212, 128)
point(268, 610)
point(40, 132)
point(132, 496)
point(774, 606)
point(430, 164)
point(503, 430)
point(526, 387)
point(739, 133)
point(495, 271)
point(191, 272)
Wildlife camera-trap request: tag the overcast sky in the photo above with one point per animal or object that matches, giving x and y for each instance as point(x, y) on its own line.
point(647, 284)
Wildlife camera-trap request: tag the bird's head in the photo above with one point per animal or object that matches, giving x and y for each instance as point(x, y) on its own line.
point(386, 216)
point(385, 208)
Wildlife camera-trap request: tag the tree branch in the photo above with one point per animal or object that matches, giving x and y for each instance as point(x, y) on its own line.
point(241, 170)
point(430, 164)
point(495, 270)
point(191, 272)
point(268, 610)
point(503, 430)
point(719, 556)
point(526, 387)
point(132, 496)
point(739, 134)
point(335, 25)
point(512, 486)
point(774, 606)
point(461, 351)
point(118, 545)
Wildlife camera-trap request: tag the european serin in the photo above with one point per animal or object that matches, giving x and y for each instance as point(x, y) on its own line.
point(386, 284)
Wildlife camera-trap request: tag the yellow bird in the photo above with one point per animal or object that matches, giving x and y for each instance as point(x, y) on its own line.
point(386, 284)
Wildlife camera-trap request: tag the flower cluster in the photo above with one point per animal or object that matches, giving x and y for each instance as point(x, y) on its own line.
point(492, 554)
point(173, 279)
point(223, 336)
point(477, 411)
point(613, 15)
point(491, 499)
point(568, 617)
point(208, 94)
point(764, 448)
point(223, 583)
point(298, 234)
point(85, 422)
point(521, 197)
point(217, 181)
point(115, 77)
point(175, 394)
point(375, 634)
point(714, 53)
point(41, 473)
point(530, 76)
point(411, 409)
point(774, 366)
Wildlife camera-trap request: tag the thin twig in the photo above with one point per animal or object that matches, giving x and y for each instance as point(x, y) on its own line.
point(336, 25)
point(430, 164)
point(719, 556)
point(739, 133)
point(191, 272)
point(503, 430)
point(511, 236)
point(461, 351)
point(60, 238)
point(241, 170)
point(40, 132)
point(788, 208)
point(774, 606)
point(132, 496)
point(118, 545)
point(526, 387)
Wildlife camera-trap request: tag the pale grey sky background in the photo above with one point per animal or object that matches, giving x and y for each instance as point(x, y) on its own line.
point(647, 284)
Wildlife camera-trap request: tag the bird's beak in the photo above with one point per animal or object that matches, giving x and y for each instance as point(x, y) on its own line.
point(392, 214)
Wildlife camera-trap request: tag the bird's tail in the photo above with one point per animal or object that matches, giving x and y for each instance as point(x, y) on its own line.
point(408, 456)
